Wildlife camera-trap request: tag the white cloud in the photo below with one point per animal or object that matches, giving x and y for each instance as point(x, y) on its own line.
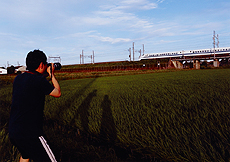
point(22, 9)
point(160, 1)
point(116, 17)
point(133, 5)
point(111, 40)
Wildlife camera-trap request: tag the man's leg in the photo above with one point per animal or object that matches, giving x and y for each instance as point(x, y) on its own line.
point(36, 149)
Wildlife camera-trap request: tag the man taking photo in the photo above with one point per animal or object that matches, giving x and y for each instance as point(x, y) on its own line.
point(26, 116)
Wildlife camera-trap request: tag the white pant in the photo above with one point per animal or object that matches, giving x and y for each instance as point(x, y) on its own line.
point(47, 148)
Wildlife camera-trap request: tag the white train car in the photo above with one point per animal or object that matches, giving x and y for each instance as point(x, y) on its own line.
point(191, 53)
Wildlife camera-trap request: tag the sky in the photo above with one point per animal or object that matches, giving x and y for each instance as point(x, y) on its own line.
point(63, 28)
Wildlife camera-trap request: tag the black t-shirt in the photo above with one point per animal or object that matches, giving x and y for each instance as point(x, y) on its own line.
point(26, 116)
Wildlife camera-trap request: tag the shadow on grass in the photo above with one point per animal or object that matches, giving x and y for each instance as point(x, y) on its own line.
point(67, 104)
point(108, 132)
point(71, 143)
point(83, 113)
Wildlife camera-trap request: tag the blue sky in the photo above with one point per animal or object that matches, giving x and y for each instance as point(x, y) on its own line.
point(109, 27)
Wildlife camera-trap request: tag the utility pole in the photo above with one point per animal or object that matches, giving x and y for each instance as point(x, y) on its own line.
point(140, 52)
point(215, 43)
point(80, 59)
point(133, 51)
point(93, 57)
point(129, 53)
point(54, 59)
point(143, 49)
point(82, 55)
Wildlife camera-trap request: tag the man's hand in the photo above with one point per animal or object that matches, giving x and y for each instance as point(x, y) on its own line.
point(50, 70)
point(57, 90)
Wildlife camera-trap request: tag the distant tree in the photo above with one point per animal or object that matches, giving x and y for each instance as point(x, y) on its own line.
point(10, 70)
point(204, 65)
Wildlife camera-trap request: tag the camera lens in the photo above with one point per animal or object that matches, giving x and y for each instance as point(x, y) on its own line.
point(57, 65)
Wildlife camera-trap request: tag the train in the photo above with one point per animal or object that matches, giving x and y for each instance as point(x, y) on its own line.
point(187, 53)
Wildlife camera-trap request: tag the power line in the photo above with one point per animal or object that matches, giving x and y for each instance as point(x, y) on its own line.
point(82, 56)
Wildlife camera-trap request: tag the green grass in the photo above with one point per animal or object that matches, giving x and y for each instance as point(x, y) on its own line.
point(174, 116)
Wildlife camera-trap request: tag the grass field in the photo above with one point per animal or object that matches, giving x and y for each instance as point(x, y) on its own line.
point(173, 116)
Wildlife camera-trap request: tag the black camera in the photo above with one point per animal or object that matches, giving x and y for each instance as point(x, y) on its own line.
point(57, 65)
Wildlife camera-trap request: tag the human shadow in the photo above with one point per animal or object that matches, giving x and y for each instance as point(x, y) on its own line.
point(68, 104)
point(108, 132)
point(82, 111)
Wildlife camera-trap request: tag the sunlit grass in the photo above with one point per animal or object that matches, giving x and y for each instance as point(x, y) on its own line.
point(176, 116)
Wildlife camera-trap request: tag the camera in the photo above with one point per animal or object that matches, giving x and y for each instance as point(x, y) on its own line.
point(57, 65)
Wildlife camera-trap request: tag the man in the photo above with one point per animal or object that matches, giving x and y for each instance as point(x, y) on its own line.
point(26, 116)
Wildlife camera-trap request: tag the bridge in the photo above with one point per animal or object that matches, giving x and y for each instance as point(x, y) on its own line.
point(196, 61)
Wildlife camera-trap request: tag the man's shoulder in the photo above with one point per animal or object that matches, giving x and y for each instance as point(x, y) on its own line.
point(30, 78)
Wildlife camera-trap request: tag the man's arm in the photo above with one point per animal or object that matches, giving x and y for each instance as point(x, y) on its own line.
point(57, 90)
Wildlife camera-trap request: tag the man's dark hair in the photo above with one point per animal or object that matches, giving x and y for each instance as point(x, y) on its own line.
point(34, 58)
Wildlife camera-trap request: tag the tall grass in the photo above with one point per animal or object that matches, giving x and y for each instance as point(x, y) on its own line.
point(176, 116)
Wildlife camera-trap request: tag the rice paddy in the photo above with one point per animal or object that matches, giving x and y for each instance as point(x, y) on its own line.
point(173, 116)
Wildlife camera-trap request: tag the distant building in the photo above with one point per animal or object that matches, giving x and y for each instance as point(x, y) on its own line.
point(20, 70)
point(3, 71)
